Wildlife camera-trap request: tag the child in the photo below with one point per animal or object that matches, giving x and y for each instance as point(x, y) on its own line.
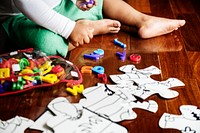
point(58, 26)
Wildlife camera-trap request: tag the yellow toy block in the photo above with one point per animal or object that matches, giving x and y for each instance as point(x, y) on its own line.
point(4, 72)
point(76, 89)
point(50, 78)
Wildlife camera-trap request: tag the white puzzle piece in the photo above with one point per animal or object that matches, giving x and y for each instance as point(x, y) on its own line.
point(145, 86)
point(113, 103)
point(188, 122)
point(106, 104)
point(17, 124)
point(73, 119)
point(132, 74)
point(40, 123)
point(89, 122)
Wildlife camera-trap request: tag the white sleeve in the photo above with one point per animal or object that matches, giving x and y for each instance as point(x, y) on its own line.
point(39, 12)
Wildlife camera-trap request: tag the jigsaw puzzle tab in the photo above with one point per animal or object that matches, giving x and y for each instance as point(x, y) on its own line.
point(74, 118)
point(188, 122)
point(145, 86)
point(17, 124)
point(112, 103)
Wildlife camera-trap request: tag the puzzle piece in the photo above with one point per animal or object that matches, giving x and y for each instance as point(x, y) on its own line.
point(112, 103)
point(146, 86)
point(188, 122)
point(75, 119)
point(40, 123)
point(17, 124)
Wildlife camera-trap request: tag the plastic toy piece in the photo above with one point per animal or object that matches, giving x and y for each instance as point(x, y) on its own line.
point(118, 43)
point(98, 69)
point(86, 69)
point(4, 87)
point(1, 60)
point(23, 63)
point(122, 56)
point(27, 71)
point(16, 67)
point(86, 3)
point(24, 70)
point(19, 85)
point(50, 78)
point(4, 72)
point(75, 89)
point(99, 52)
point(58, 70)
point(135, 58)
point(103, 77)
point(91, 56)
point(46, 67)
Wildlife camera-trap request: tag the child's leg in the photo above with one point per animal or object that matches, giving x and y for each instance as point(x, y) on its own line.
point(148, 26)
point(27, 34)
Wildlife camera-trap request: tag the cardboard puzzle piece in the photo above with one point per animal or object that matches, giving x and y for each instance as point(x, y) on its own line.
point(17, 124)
point(132, 74)
point(188, 122)
point(73, 118)
point(114, 104)
point(145, 86)
point(106, 104)
point(89, 122)
point(41, 123)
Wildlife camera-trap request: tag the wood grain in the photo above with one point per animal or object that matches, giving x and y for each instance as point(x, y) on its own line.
point(176, 54)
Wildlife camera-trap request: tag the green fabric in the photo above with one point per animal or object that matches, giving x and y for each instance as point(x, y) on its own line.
point(26, 33)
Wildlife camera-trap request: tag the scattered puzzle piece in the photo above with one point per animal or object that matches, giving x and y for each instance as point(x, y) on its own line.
point(188, 122)
point(74, 118)
point(114, 104)
point(17, 124)
point(40, 123)
point(145, 86)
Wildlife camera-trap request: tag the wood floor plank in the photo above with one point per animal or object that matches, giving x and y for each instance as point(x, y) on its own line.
point(182, 7)
point(194, 59)
point(175, 64)
point(176, 54)
point(191, 32)
point(166, 43)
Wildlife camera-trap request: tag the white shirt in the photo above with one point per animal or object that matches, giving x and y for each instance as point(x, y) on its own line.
point(40, 12)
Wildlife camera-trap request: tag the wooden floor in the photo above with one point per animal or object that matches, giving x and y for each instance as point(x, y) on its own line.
point(176, 55)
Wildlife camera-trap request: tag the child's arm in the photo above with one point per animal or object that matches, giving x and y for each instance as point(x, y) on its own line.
point(40, 13)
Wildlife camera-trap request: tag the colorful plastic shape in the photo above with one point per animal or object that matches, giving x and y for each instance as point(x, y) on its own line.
point(98, 69)
point(91, 56)
point(86, 3)
point(135, 57)
point(76, 89)
point(50, 78)
point(86, 69)
point(118, 43)
point(99, 52)
point(121, 55)
point(103, 77)
point(4, 72)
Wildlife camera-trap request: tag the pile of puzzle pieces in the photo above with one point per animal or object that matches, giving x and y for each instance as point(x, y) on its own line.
point(105, 105)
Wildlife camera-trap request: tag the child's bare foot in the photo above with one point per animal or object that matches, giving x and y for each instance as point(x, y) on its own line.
point(155, 26)
point(103, 26)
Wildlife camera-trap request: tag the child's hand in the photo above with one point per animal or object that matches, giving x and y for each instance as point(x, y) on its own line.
point(86, 4)
point(81, 34)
